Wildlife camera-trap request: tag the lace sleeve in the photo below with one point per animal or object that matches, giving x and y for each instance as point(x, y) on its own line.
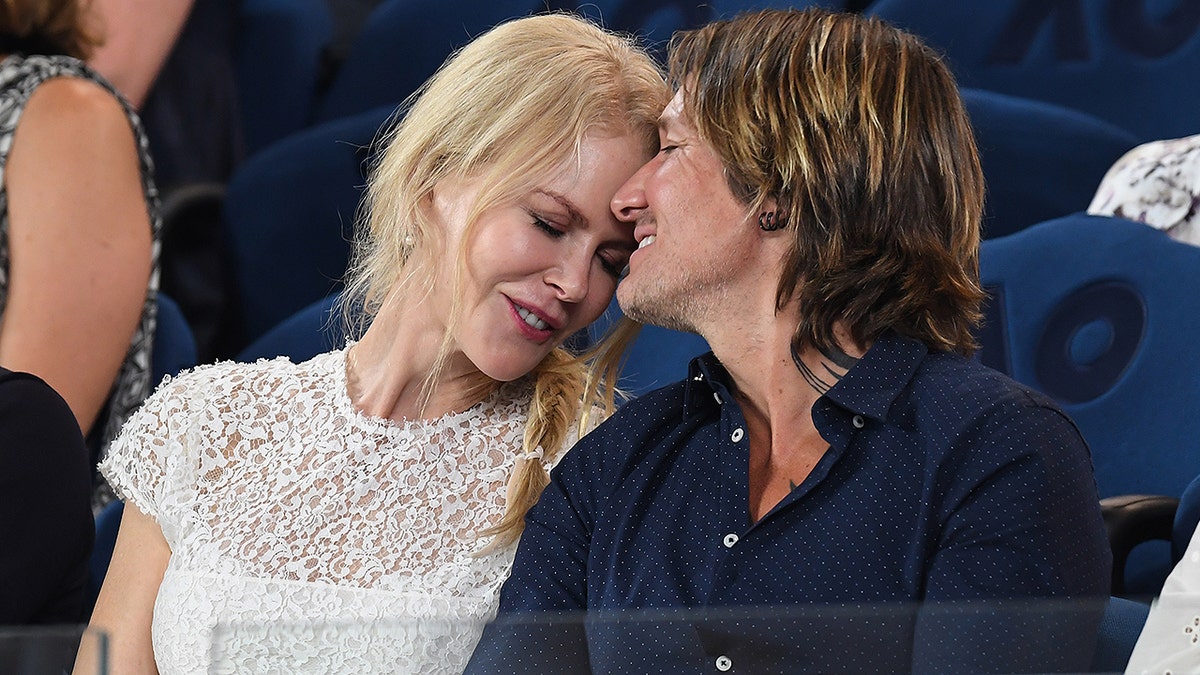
point(153, 462)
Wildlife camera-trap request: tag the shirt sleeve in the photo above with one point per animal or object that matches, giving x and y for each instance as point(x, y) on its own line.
point(1022, 568)
point(153, 462)
point(1170, 640)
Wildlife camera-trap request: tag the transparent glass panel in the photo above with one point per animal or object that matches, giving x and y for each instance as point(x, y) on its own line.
point(53, 650)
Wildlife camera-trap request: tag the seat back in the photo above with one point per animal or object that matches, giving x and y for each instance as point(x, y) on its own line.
point(279, 47)
point(1098, 313)
point(1119, 630)
point(1123, 61)
point(402, 43)
point(657, 357)
point(655, 20)
point(174, 347)
point(289, 214)
point(1187, 519)
point(315, 329)
point(1040, 160)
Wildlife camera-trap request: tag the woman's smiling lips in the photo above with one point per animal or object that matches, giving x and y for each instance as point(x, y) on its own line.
point(532, 323)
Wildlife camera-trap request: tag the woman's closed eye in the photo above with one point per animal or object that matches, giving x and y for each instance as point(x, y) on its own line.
point(547, 227)
point(611, 261)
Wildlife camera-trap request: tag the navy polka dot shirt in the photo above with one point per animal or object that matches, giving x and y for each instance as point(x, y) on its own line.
point(944, 481)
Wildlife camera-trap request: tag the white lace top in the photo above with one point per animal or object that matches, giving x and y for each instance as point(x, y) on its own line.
point(1170, 640)
point(307, 537)
point(1157, 183)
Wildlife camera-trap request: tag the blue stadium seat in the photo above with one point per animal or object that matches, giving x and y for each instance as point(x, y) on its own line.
point(1041, 161)
point(278, 61)
point(313, 330)
point(1187, 519)
point(289, 214)
point(1125, 61)
point(1098, 313)
point(1119, 630)
point(174, 347)
point(402, 43)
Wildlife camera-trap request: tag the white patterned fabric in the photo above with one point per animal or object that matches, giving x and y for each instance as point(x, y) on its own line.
point(1170, 640)
point(1158, 184)
point(19, 77)
point(308, 537)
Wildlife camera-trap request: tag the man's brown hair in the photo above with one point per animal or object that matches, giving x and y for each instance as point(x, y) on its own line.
point(856, 130)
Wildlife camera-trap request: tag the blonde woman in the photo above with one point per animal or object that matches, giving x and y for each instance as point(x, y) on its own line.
point(358, 512)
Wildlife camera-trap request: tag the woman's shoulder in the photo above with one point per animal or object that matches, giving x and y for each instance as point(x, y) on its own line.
point(67, 85)
point(67, 99)
point(18, 71)
point(28, 403)
point(261, 378)
point(201, 409)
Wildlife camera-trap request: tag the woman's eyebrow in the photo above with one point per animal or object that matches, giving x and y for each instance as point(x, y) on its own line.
point(573, 212)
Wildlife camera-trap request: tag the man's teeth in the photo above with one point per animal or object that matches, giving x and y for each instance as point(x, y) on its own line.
point(532, 319)
point(647, 241)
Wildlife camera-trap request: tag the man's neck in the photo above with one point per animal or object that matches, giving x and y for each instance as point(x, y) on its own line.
point(776, 389)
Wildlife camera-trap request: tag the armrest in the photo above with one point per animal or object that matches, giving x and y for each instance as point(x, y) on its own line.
point(1131, 520)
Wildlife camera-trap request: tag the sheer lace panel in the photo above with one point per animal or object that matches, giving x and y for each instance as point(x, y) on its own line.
point(281, 502)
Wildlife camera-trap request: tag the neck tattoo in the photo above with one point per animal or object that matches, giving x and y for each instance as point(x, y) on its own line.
point(839, 359)
point(819, 385)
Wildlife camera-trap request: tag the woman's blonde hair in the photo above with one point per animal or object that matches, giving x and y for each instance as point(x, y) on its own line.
point(503, 111)
point(47, 27)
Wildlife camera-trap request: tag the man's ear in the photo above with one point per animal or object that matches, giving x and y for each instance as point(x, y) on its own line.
point(770, 218)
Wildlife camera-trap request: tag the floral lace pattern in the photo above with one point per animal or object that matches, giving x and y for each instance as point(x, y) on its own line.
point(309, 537)
point(1158, 184)
point(1170, 640)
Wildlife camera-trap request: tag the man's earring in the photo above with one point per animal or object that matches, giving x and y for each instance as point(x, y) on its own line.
point(768, 222)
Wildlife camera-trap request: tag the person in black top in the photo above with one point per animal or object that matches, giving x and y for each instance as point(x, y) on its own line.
point(46, 527)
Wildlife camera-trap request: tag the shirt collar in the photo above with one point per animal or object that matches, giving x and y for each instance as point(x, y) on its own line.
point(868, 389)
point(706, 377)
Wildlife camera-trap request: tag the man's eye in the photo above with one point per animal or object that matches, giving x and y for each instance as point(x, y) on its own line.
point(612, 266)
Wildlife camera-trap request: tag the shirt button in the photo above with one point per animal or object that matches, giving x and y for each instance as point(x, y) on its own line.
point(737, 435)
point(699, 377)
point(717, 398)
point(724, 663)
point(858, 422)
point(730, 540)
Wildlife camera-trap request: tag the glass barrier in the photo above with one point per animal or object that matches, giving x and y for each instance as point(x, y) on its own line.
point(1007, 637)
point(53, 650)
